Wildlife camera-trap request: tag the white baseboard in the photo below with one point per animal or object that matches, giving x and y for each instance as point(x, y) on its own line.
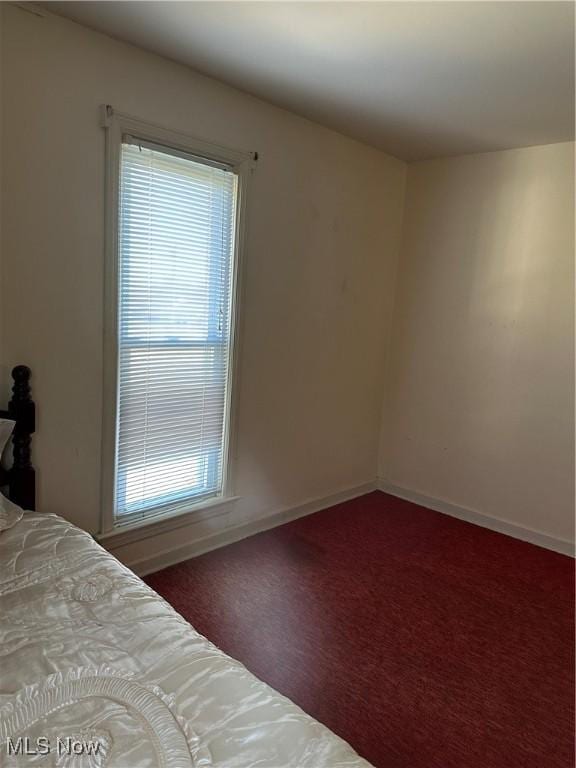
point(564, 546)
point(163, 559)
point(158, 560)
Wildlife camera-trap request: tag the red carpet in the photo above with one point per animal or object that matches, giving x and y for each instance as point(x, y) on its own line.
point(422, 640)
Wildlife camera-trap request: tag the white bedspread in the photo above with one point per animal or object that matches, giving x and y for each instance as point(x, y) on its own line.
point(92, 660)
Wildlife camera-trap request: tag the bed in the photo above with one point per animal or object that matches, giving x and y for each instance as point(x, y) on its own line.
point(98, 671)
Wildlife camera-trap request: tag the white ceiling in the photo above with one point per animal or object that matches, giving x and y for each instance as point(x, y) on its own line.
point(417, 79)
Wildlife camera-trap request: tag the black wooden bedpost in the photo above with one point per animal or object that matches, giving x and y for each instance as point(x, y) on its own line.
point(21, 408)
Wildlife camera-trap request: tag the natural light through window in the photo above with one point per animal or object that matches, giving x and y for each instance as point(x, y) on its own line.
point(176, 275)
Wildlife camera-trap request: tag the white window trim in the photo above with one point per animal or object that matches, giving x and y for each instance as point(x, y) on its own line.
point(116, 125)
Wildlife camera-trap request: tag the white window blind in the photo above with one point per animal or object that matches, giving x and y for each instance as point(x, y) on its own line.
point(176, 254)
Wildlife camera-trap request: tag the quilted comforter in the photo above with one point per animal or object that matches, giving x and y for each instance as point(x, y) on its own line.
point(98, 671)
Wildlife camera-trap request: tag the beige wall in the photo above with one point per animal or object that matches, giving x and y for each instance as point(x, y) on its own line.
point(479, 408)
point(478, 398)
point(321, 251)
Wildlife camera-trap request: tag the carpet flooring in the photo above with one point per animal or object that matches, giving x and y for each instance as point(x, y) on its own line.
point(424, 641)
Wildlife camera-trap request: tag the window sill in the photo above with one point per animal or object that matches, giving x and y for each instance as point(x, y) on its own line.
point(145, 529)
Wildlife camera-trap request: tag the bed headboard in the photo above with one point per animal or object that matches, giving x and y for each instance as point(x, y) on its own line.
point(20, 479)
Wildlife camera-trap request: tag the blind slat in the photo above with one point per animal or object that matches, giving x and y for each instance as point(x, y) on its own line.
point(176, 246)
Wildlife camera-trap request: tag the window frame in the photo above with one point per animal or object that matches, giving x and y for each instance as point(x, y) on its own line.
point(117, 125)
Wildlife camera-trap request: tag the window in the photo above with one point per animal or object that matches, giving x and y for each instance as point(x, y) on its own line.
point(174, 287)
